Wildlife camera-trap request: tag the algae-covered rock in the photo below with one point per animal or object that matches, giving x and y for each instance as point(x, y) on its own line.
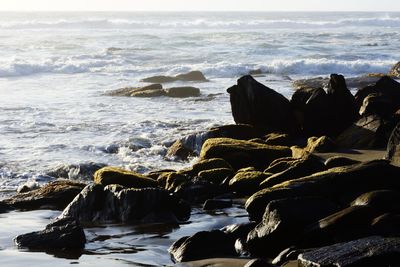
point(173, 180)
point(114, 175)
point(206, 164)
point(281, 164)
point(247, 182)
point(239, 153)
point(216, 176)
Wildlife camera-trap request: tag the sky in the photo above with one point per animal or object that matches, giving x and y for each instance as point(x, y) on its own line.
point(199, 5)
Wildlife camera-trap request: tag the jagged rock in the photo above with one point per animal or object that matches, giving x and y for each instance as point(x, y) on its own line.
point(62, 234)
point(247, 182)
point(339, 161)
point(203, 245)
point(216, 176)
point(382, 200)
point(255, 104)
point(239, 153)
point(301, 168)
point(369, 251)
point(83, 171)
point(395, 70)
point(214, 204)
point(114, 175)
point(196, 76)
point(113, 203)
point(341, 185)
point(283, 223)
point(55, 195)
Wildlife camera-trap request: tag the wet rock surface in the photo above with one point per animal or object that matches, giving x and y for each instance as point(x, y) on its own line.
point(113, 175)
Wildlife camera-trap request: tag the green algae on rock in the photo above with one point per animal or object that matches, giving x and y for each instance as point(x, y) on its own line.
point(114, 175)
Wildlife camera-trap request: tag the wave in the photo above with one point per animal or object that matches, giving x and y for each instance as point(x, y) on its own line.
point(383, 21)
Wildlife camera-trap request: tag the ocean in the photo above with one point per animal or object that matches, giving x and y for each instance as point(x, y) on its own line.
point(56, 67)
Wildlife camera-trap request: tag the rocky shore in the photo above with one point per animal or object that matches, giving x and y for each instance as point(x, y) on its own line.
point(292, 164)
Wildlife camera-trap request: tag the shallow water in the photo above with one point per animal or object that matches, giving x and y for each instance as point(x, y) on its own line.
point(135, 245)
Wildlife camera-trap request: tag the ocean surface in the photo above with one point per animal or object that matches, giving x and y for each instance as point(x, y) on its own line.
point(56, 67)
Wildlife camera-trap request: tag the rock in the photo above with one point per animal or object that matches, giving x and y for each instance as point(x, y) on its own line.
point(62, 234)
point(301, 168)
point(322, 144)
point(381, 105)
point(369, 251)
point(339, 161)
point(55, 195)
point(255, 104)
point(287, 255)
point(385, 87)
point(393, 148)
point(203, 245)
point(239, 153)
point(207, 164)
point(258, 263)
point(367, 133)
point(4, 207)
point(281, 164)
point(220, 262)
point(247, 182)
point(279, 139)
point(345, 225)
point(129, 91)
point(395, 70)
point(179, 151)
point(83, 171)
point(382, 200)
point(215, 204)
point(341, 185)
point(156, 174)
point(173, 180)
point(283, 223)
point(113, 203)
point(114, 175)
point(321, 82)
point(198, 190)
point(187, 91)
point(387, 225)
point(149, 93)
point(195, 76)
point(216, 176)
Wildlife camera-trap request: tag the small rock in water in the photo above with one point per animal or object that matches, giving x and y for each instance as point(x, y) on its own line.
point(196, 76)
point(62, 234)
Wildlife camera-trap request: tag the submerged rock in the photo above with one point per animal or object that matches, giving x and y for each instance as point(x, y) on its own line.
point(62, 234)
point(156, 90)
point(195, 76)
point(240, 154)
point(55, 195)
point(255, 104)
point(113, 175)
point(98, 204)
point(369, 251)
point(203, 245)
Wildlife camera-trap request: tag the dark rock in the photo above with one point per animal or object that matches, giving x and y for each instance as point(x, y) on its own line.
point(129, 91)
point(369, 251)
point(198, 190)
point(283, 223)
point(207, 164)
point(382, 200)
point(180, 92)
point(156, 174)
point(393, 147)
point(287, 255)
point(387, 225)
point(247, 182)
point(338, 161)
point(279, 139)
point(215, 204)
point(4, 207)
point(83, 171)
point(62, 234)
point(239, 230)
point(281, 164)
point(196, 76)
point(255, 104)
point(341, 185)
point(321, 82)
point(174, 179)
point(395, 70)
point(381, 105)
point(216, 176)
point(55, 195)
point(203, 245)
point(304, 167)
point(113, 175)
point(258, 263)
point(97, 204)
point(179, 151)
point(239, 153)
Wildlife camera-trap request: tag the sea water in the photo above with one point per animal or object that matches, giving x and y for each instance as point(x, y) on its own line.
point(56, 67)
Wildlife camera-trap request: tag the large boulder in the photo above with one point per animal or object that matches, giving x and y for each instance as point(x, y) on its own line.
point(255, 104)
point(247, 182)
point(341, 185)
point(114, 175)
point(240, 154)
point(283, 222)
point(203, 245)
point(55, 195)
point(195, 76)
point(369, 251)
point(98, 204)
point(63, 234)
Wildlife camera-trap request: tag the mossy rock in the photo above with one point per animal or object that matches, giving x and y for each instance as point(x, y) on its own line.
point(163, 177)
point(247, 169)
point(115, 175)
point(247, 182)
point(280, 165)
point(207, 164)
point(174, 180)
point(216, 176)
point(240, 153)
